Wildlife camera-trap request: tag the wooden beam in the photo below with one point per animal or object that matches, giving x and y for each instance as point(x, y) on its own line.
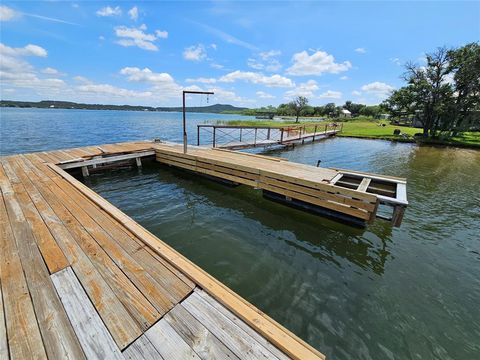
point(108, 159)
point(364, 184)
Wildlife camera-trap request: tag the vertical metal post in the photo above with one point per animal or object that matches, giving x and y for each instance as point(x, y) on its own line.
point(214, 128)
point(198, 135)
point(255, 140)
point(314, 132)
point(268, 134)
point(240, 134)
point(281, 135)
point(184, 127)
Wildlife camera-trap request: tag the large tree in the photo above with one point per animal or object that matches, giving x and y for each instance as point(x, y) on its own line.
point(297, 105)
point(444, 92)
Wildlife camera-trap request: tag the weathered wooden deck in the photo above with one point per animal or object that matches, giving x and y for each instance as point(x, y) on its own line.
point(80, 279)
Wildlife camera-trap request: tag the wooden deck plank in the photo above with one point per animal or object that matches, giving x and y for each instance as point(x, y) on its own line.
point(364, 184)
point(171, 285)
point(236, 339)
point(58, 337)
point(150, 290)
point(3, 330)
point(24, 338)
point(241, 324)
point(96, 341)
point(120, 323)
point(52, 254)
point(197, 336)
point(142, 349)
point(169, 343)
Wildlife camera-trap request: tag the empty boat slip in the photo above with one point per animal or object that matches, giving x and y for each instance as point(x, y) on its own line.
point(80, 279)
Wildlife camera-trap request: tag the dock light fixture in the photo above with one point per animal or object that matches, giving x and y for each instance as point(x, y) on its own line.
point(184, 116)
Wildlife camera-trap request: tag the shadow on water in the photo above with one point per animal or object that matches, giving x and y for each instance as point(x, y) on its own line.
point(314, 235)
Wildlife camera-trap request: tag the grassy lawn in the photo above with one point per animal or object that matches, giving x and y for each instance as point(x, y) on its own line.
point(372, 129)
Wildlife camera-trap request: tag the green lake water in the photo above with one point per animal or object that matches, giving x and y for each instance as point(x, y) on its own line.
point(380, 293)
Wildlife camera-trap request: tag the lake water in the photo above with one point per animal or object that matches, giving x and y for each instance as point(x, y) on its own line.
point(378, 293)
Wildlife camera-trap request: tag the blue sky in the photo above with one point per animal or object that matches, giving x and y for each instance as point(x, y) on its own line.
point(249, 53)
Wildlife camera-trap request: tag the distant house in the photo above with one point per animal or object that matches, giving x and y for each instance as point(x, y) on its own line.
point(344, 113)
point(52, 106)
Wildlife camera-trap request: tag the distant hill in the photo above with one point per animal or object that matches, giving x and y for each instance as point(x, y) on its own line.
point(46, 104)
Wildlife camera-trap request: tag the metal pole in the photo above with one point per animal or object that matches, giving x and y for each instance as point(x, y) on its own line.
point(240, 134)
point(184, 115)
point(198, 135)
point(184, 127)
point(214, 128)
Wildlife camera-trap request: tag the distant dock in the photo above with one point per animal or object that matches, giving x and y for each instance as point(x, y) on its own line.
point(237, 137)
point(80, 279)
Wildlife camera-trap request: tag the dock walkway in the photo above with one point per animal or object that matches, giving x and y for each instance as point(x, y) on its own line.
point(80, 279)
point(237, 137)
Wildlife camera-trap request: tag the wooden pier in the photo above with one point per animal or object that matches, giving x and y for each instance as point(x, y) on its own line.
point(237, 137)
point(80, 279)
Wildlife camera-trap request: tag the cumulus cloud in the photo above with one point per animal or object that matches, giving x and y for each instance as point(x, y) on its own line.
point(7, 14)
point(133, 13)
point(330, 94)
point(361, 50)
point(112, 91)
point(109, 11)
point(318, 63)
point(161, 34)
point(195, 53)
point(51, 71)
point(306, 89)
point(258, 78)
point(132, 36)
point(265, 55)
point(378, 89)
point(17, 72)
point(264, 95)
point(202, 80)
point(162, 83)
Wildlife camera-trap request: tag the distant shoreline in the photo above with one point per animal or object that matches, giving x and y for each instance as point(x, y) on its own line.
point(50, 104)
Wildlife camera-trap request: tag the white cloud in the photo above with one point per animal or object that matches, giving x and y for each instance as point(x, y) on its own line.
point(318, 63)
point(162, 83)
point(258, 78)
point(356, 93)
point(266, 61)
point(330, 94)
point(306, 89)
point(361, 50)
point(7, 14)
point(265, 55)
point(195, 53)
point(216, 66)
point(16, 72)
point(133, 13)
point(396, 61)
point(161, 34)
point(377, 88)
point(264, 95)
point(213, 46)
point(202, 80)
point(109, 11)
point(29, 50)
point(344, 77)
point(101, 38)
point(136, 37)
point(51, 71)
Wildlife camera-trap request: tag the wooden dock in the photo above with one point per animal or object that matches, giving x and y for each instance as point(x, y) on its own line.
point(80, 279)
point(237, 137)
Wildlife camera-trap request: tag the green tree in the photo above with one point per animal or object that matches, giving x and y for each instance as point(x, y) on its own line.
point(330, 109)
point(297, 105)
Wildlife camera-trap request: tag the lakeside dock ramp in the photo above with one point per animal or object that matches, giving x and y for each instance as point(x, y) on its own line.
point(80, 279)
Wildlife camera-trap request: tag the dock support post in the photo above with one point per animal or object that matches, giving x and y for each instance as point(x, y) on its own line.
point(240, 134)
point(214, 134)
point(85, 172)
point(268, 134)
point(255, 139)
point(198, 135)
point(281, 135)
point(314, 132)
point(139, 162)
point(397, 215)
